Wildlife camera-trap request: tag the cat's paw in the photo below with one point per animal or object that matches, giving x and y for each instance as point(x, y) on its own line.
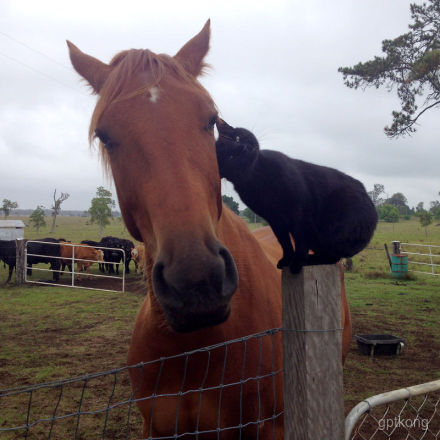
point(295, 267)
point(284, 262)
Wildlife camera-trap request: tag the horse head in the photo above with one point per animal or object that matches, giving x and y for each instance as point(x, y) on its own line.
point(155, 123)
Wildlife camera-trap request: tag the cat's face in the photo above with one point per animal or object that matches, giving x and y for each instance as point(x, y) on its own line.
point(237, 149)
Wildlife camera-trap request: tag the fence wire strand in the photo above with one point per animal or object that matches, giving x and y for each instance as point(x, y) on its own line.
point(101, 405)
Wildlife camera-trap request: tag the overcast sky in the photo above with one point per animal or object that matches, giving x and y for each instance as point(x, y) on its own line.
point(274, 71)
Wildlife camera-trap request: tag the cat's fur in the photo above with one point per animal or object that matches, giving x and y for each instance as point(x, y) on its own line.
point(323, 209)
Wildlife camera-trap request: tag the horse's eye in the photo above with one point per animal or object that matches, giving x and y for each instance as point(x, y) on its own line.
point(103, 137)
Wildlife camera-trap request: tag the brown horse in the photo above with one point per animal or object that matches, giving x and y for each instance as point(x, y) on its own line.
point(155, 124)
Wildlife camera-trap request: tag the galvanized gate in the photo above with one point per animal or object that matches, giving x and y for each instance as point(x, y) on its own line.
point(55, 256)
point(421, 257)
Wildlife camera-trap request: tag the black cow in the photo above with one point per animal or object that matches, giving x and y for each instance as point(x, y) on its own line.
point(127, 245)
point(45, 252)
point(112, 257)
point(8, 255)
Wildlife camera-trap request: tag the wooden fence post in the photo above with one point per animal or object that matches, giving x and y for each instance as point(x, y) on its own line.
point(20, 265)
point(312, 350)
point(396, 247)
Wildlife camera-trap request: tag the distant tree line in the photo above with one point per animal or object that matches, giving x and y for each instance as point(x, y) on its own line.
point(391, 209)
point(247, 213)
point(99, 212)
point(63, 213)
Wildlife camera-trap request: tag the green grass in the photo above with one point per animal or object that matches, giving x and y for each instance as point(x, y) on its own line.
point(74, 229)
point(50, 333)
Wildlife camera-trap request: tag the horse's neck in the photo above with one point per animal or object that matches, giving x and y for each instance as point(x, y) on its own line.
point(248, 254)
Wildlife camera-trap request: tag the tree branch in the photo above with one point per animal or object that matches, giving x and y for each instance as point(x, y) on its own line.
point(424, 110)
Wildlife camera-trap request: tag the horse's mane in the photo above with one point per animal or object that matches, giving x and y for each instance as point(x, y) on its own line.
point(124, 66)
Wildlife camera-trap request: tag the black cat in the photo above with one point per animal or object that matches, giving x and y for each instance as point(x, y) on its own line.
point(322, 208)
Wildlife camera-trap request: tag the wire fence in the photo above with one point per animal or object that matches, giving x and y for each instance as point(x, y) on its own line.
point(102, 405)
point(409, 413)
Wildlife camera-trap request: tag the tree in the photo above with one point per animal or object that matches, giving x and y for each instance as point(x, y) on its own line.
point(231, 204)
point(435, 209)
point(56, 208)
point(410, 65)
point(389, 213)
point(425, 218)
point(375, 194)
point(400, 202)
point(101, 209)
point(419, 208)
point(252, 217)
point(8, 206)
point(37, 218)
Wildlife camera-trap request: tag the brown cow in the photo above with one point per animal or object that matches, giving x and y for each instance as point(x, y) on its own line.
point(83, 254)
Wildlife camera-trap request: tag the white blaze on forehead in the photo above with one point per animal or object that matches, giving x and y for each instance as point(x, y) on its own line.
point(154, 94)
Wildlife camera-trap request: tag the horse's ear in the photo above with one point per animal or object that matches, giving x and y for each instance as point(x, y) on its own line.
point(192, 53)
point(95, 72)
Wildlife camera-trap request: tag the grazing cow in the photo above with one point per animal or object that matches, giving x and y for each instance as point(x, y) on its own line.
point(127, 246)
point(7, 255)
point(115, 256)
point(95, 244)
point(47, 250)
point(138, 256)
point(111, 256)
point(84, 255)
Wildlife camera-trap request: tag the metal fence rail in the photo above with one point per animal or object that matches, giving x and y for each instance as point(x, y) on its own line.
point(419, 258)
point(101, 405)
point(408, 413)
point(73, 260)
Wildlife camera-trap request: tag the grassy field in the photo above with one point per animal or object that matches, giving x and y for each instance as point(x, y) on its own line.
point(51, 333)
point(74, 229)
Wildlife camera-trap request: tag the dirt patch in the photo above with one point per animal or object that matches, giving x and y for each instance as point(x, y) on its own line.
point(133, 284)
point(365, 376)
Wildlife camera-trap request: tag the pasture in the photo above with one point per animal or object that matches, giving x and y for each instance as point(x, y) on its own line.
point(52, 333)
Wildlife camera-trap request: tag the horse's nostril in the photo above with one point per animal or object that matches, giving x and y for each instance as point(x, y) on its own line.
point(161, 285)
point(230, 282)
point(195, 289)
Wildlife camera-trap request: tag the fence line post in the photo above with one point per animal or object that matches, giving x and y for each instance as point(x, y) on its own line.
point(432, 262)
point(313, 386)
point(20, 263)
point(396, 247)
point(73, 265)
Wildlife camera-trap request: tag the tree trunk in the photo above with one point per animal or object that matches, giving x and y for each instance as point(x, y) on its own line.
point(53, 224)
point(100, 230)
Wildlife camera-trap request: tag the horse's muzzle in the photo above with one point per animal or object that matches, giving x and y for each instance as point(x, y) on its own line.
point(195, 287)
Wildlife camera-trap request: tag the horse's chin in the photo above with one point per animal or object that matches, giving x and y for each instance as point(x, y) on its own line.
point(193, 321)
